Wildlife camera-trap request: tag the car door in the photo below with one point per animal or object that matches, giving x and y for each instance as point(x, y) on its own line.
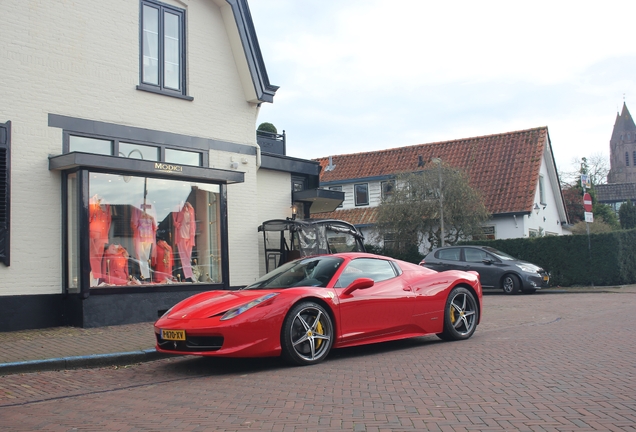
point(385, 308)
point(483, 263)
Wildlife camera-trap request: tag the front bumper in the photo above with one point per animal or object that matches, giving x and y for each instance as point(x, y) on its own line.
point(535, 280)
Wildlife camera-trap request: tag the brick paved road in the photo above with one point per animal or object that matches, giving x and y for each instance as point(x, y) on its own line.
point(553, 362)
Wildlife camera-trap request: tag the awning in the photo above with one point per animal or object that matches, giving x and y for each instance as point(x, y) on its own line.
point(322, 200)
point(74, 160)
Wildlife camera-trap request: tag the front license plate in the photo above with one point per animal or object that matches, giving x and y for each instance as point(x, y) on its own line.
point(173, 335)
point(545, 278)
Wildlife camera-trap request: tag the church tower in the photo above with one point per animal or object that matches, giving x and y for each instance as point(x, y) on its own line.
point(623, 149)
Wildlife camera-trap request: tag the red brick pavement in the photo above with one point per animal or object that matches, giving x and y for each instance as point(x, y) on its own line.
point(537, 363)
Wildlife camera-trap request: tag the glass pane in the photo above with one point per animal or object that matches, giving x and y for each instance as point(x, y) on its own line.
point(150, 45)
point(138, 151)
point(73, 234)
point(182, 157)
point(171, 51)
point(147, 231)
point(90, 145)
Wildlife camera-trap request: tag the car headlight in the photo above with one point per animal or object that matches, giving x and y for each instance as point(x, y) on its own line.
point(247, 306)
point(528, 268)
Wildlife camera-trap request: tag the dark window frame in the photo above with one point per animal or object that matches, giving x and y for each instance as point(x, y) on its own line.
point(160, 88)
point(387, 188)
point(355, 194)
point(203, 161)
point(5, 192)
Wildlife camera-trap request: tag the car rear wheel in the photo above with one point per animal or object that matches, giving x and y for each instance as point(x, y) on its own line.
point(510, 284)
point(460, 315)
point(307, 334)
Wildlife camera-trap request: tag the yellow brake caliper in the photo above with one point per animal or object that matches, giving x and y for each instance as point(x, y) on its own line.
point(452, 315)
point(319, 331)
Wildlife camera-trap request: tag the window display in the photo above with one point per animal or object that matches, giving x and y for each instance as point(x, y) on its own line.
point(146, 230)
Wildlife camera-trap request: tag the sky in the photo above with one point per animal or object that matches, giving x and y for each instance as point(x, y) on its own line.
point(365, 75)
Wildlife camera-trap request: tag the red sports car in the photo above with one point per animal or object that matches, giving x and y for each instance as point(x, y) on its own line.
point(306, 307)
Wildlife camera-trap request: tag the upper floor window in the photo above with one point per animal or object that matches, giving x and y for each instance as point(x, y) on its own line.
point(387, 189)
point(626, 158)
point(361, 194)
point(541, 190)
point(162, 48)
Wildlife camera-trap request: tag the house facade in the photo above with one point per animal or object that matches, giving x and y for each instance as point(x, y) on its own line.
point(130, 172)
point(515, 173)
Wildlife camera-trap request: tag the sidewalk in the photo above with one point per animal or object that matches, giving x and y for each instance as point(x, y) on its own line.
point(70, 347)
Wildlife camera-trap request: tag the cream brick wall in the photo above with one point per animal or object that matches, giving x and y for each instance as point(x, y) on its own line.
point(81, 59)
point(272, 205)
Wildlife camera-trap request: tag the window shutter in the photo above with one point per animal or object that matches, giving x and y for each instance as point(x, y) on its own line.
point(5, 177)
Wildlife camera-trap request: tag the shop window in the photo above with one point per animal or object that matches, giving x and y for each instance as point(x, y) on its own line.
point(138, 151)
point(90, 145)
point(115, 147)
point(182, 157)
point(361, 194)
point(145, 231)
point(162, 48)
point(5, 195)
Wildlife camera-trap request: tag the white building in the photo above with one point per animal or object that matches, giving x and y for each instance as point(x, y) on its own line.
point(130, 173)
point(515, 173)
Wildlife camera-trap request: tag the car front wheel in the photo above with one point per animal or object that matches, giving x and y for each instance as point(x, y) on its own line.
point(460, 315)
point(511, 284)
point(307, 334)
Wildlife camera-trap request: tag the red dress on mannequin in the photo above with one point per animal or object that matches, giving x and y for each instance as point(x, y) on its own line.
point(163, 262)
point(115, 265)
point(99, 220)
point(185, 231)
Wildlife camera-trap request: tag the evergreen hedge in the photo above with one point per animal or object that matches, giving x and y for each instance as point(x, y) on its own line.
point(608, 258)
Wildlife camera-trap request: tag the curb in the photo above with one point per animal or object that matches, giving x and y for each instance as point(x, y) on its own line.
point(88, 361)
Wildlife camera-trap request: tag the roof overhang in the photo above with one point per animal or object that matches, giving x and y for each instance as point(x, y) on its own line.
point(322, 200)
point(73, 160)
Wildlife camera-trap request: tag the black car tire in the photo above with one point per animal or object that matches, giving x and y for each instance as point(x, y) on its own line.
point(461, 315)
point(307, 334)
point(510, 284)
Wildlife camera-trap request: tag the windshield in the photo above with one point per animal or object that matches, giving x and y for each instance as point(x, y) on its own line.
point(499, 254)
point(314, 271)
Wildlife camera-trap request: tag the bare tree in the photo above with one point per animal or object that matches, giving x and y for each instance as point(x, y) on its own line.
point(411, 214)
point(597, 166)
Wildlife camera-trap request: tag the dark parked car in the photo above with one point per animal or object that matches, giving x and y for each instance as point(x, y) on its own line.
point(496, 269)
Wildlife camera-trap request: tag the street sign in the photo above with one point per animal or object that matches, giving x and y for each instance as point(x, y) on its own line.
point(587, 202)
point(589, 217)
point(585, 181)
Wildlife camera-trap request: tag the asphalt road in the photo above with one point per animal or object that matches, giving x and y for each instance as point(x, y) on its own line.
point(544, 362)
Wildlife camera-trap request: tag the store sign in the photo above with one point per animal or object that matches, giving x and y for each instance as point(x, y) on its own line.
point(159, 166)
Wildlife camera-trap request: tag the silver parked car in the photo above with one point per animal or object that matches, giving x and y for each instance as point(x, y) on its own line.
point(496, 269)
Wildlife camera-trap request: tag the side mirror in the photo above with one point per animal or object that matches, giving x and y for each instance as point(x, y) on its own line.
point(360, 283)
point(487, 261)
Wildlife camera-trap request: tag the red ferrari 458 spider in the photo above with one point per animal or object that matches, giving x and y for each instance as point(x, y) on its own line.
point(306, 307)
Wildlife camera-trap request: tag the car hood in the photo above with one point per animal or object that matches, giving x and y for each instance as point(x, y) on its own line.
point(534, 267)
point(208, 304)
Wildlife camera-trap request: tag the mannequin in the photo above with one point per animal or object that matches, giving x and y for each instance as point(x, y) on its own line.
point(163, 261)
point(185, 231)
point(115, 265)
point(144, 237)
point(99, 220)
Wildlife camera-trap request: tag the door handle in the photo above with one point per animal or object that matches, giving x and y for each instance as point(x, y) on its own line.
point(407, 288)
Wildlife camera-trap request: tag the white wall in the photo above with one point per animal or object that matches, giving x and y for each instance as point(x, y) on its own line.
point(81, 59)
